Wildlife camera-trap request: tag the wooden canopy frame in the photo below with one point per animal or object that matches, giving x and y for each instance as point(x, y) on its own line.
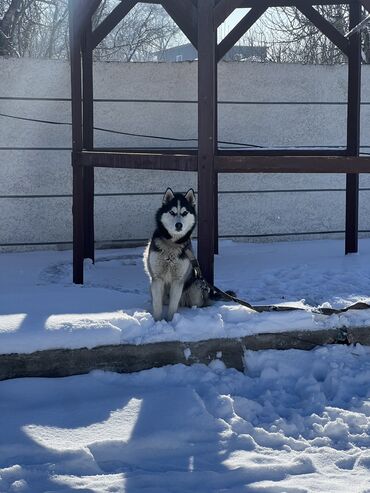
point(199, 20)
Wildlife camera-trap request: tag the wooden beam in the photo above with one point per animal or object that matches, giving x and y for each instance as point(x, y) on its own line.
point(239, 30)
point(353, 129)
point(75, 7)
point(167, 162)
point(325, 27)
point(111, 21)
point(294, 3)
point(184, 13)
point(224, 8)
point(292, 164)
point(207, 135)
point(282, 152)
point(88, 139)
point(88, 12)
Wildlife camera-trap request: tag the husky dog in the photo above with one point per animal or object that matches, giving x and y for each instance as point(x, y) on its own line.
point(166, 258)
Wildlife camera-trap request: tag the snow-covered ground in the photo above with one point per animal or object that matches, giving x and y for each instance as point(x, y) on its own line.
point(295, 422)
point(40, 308)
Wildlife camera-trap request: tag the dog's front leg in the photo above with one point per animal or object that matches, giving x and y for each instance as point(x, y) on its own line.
point(175, 295)
point(157, 289)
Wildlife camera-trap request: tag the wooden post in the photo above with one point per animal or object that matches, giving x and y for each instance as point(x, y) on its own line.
point(77, 207)
point(353, 129)
point(207, 135)
point(215, 246)
point(88, 138)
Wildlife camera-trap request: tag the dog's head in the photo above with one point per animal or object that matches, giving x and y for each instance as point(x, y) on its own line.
point(177, 214)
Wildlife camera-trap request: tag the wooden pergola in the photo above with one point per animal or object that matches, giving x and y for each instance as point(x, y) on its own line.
point(199, 20)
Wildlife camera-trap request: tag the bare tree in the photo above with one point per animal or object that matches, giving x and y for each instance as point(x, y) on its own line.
point(9, 11)
point(39, 28)
point(292, 38)
point(147, 29)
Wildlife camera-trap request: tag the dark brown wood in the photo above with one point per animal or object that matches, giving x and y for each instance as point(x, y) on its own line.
point(75, 8)
point(180, 151)
point(88, 139)
point(111, 21)
point(325, 27)
point(283, 152)
point(216, 233)
point(184, 13)
point(207, 135)
point(239, 30)
point(169, 162)
point(294, 3)
point(199, 21)
point(88, 11)
point(224, 8)
point(353, 129)
point(292, 164)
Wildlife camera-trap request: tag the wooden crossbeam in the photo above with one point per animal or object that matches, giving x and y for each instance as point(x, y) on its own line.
point(292, 164)
point(224, 8)
point(167, 162)
point(294, 3)
point(325, 27)
point(184, 13)
point(111, 21)
point(239, 30)
point(87, 11)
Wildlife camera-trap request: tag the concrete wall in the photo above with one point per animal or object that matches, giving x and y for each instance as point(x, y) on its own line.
point(255, 107)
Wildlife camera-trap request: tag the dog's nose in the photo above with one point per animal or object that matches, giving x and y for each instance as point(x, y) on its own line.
point(178, 226)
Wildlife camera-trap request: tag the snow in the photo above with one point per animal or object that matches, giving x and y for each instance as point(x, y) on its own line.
point(294, 422)
point(40, 308)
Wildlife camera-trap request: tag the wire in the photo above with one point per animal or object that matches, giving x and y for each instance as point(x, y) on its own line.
point(161, 137)
point(119, 132)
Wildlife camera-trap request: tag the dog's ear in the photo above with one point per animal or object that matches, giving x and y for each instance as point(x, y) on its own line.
point(190, 196)
point(168, 196)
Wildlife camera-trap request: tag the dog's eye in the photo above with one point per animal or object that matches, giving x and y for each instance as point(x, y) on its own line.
point(185, 213)
point(172, 213)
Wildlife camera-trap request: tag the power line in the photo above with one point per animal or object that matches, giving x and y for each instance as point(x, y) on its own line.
point(127, 134)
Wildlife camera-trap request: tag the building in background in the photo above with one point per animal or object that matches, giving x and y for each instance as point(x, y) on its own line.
point(187, 52)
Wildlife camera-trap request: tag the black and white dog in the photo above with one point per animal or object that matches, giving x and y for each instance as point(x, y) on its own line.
point(167, 258)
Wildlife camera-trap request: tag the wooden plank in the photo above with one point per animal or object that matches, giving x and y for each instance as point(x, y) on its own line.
point(169, 162)
point(224, 8)
point(353, 129)
point(207, 135)
point(294, 3)
point(77, 138)
point(184, 13)
point(292, 164)
point(215, 215)
point(150, 150)
point(325, 27)
point(239, 30)
point(88, 11)
point(283, 152)
point(111, 21)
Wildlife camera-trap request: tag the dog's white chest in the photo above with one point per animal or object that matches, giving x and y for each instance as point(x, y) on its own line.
point(168, 265)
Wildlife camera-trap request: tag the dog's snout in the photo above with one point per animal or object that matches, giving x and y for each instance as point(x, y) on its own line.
point(178, 226)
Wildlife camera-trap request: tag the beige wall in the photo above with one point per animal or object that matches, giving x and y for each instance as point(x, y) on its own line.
point(35, 171)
